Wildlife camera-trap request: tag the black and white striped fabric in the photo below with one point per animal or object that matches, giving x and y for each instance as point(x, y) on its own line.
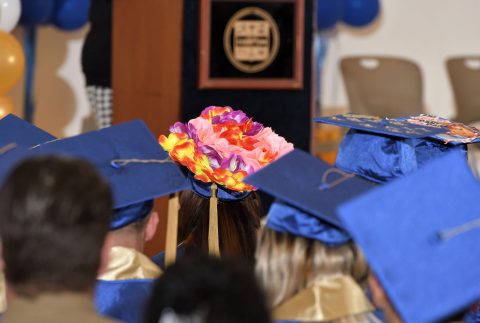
point(101, 101)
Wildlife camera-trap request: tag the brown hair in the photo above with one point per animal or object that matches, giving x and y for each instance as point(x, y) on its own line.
point(54, 216)
point(287, 264)
point(238, 223)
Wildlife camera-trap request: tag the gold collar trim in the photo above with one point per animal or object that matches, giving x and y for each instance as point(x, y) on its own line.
point(3, 293)
point(126, 263)
point(325, 300)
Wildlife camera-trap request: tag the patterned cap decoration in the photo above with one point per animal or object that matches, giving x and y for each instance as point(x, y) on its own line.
point(224, 146)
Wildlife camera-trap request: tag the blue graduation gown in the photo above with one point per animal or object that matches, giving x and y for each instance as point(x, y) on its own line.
point(123, 291)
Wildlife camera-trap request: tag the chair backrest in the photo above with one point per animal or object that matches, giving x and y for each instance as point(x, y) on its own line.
point(383, 86)
point(464, 73)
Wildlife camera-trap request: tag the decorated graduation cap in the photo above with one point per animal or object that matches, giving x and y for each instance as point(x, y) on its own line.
point(16, 131)
point(129, 157)
point(308, 191)
point(419, 235)
point(219, 149)
point(381, 149)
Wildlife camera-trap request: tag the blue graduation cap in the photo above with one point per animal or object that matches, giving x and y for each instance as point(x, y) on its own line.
point(130, 158)
point(420, 236)
point(309, 190)
point(381, 149)
point(20, 132)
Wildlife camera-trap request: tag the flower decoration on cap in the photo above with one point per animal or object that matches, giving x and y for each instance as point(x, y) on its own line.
point(224, 146)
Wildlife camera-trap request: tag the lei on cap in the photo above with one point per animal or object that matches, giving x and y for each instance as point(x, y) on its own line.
point(224, 146)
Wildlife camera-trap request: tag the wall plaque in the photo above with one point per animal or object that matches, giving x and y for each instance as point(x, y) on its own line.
point(247, 44)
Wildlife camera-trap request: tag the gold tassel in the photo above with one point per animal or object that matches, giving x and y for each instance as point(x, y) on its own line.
point(172, 230)
point(213, 244)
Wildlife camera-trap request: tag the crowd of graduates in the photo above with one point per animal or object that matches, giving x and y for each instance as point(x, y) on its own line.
point(388, 234)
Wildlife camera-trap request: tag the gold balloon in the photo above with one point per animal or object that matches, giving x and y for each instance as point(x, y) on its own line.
point(12, 62)
point(6, 106)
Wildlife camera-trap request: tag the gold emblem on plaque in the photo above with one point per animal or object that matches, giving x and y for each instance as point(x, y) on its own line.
point(251, 40)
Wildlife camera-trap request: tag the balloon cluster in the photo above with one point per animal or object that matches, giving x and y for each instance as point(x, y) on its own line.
point(64, 14)
point(355, 13)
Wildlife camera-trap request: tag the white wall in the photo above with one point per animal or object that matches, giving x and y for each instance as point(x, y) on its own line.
point(426, 31)
point(61, 104)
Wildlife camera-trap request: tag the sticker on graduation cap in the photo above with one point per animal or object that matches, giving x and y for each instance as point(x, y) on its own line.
point(20, 132)
point(130, 158)
point(383, 126)
point(419, 235)
point(309, 184)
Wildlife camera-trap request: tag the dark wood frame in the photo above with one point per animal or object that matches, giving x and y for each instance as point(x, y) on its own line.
point(207, 82)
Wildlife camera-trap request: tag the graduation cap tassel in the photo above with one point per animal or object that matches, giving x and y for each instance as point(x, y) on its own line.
point(172, 230)
point(213, 244)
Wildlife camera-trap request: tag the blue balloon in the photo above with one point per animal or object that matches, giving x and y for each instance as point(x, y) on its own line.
point(359, 13)
point(70, 14)
point(329, 12)
point(36, 12)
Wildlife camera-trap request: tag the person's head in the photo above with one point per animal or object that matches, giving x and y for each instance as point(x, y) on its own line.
point(205, 289)
point(134, 225)
point(238, 223)
point(54, 217)
point(287, 264)
point(219, 149)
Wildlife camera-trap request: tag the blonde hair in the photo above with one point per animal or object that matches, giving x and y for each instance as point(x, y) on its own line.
point(287, 264)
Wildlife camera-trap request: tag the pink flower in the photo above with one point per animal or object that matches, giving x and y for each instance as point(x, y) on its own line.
point(270, 141)
point(203, 131)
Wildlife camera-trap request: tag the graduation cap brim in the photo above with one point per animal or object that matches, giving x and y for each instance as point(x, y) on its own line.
point(381, 126)
point(403, 229)
point(16, 130)
point(149, 174)
point(306, 182)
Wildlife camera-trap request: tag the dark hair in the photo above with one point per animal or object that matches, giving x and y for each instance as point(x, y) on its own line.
point(216, 290)
point(54, 215)
point(238, 223)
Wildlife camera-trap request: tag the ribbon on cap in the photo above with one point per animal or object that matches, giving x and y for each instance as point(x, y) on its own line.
point(325, 185)
point(172, 230)
point(213, 243)
point(445, 235)
point(325, 300)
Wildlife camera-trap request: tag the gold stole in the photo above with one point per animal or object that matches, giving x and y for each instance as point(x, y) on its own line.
point(126, 263)
point(325, 300)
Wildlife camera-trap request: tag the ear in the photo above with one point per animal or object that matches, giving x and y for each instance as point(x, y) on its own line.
point(105, 253)
point(381, 301)
point(151, 227)
point(2, 263)
point(378, 295)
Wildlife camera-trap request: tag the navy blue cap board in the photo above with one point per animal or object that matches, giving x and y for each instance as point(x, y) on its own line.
point(419, 234)
point(381, 149)
point(16, 135)
point(130, 158)
point(309, 184)
point(20, 132)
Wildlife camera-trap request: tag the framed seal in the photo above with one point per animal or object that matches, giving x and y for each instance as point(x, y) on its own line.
point(248, 44)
